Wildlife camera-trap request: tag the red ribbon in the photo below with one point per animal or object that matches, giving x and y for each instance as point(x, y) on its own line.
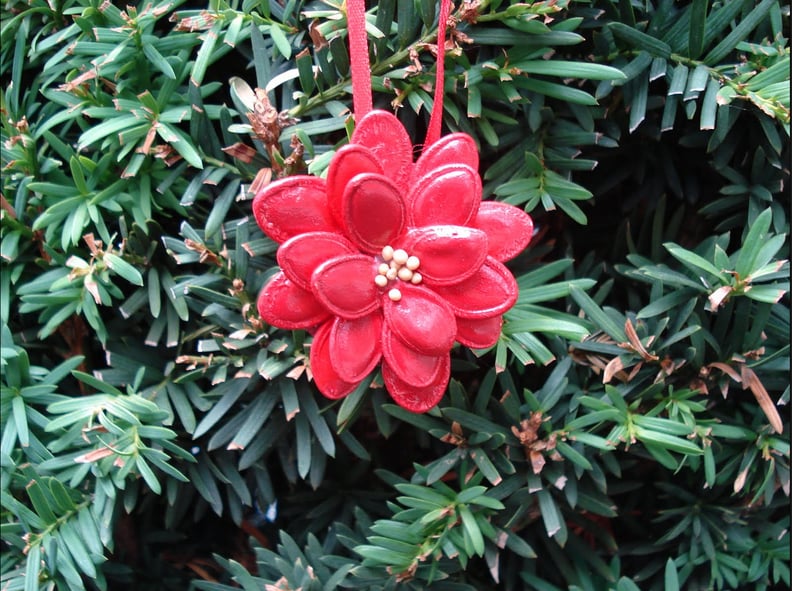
point(436, 119)
point(361, 68)
point(359, 58)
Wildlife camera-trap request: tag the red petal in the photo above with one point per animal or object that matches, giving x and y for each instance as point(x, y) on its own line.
point(324, 375)
point(355, 346)
point(345, 285)
point(448, 254)
point(417, 399)
point(374, 212)
point(413, 368)
point(455, 148)
point(293, 206)
point(299, 256)
point(385, 136)
point(489, 292)
point(479, 333)
point(421, 319)
point(349, 161)
point(509, 229)
point(450, 194)
point(283, 304)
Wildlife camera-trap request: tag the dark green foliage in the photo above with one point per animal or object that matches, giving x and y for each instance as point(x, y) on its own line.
point(628, 431)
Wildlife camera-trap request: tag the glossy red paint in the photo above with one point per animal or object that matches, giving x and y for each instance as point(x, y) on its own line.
point(367, 306)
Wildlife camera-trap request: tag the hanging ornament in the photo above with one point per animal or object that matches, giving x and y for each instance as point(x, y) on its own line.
point(387, 261)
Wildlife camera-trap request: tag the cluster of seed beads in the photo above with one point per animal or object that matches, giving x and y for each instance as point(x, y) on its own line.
point(397, 265)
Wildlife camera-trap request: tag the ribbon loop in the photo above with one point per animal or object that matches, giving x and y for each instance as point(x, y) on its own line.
point(361, 67)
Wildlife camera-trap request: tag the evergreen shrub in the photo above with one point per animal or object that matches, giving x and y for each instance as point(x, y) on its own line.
point(630, 429)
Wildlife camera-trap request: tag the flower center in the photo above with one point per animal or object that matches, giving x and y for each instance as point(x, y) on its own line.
point(397, 266)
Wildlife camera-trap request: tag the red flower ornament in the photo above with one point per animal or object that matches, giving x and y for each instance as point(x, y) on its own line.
point(390, 262)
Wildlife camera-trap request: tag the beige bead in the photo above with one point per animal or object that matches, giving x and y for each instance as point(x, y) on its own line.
point(387, 253)
point(383, 269)
point(413, 263)
point(391, 274)
point(416, 278)
point(381, 280)
point(400, 256)
point(405, 274)
point(394, 294)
